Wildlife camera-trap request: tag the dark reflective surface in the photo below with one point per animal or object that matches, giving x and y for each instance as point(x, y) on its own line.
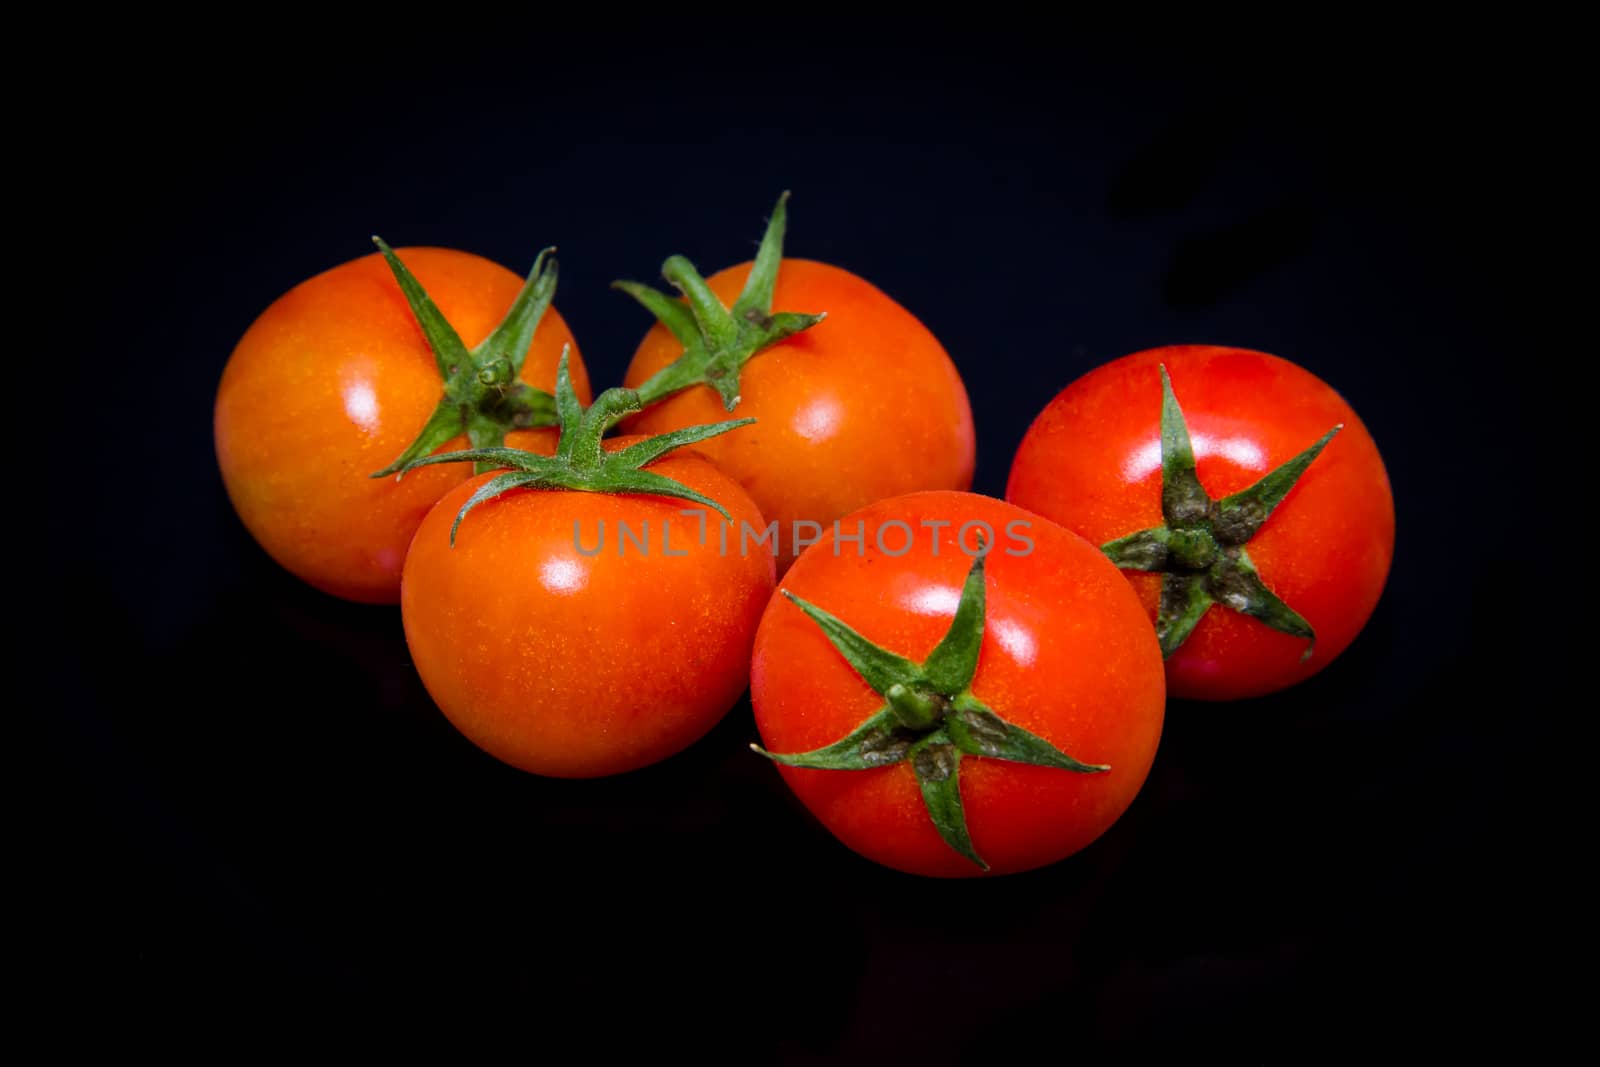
point(246, 809)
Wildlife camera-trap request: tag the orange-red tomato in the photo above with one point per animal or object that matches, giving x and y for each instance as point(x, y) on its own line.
point(1092, 462)
point(577, 634)
point(333, 382)
point(864, 405)
point(1067, 654)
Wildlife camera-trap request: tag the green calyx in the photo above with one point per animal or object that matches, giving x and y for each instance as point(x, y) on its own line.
point(1200, 549)
point(483, 396)
point(930, 717)
point(580, 463)
point(718, 341)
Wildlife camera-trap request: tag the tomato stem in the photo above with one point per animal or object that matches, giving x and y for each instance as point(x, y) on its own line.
point(915, 710)
point(718, 341)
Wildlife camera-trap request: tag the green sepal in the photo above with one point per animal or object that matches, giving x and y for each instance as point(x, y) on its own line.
point(1199, 550)
point(756, 296)
point(1145, 550)
point(1185, 599)
point(877, 666)
point(673, 314)
point(931, 716)
point(511, 340)
point(937, 762)
point(1239, 516)
point(954, 660)
point(445, 424)
point(1239, 586)
point(494, 456)
point(647, 483)
point(569, 411)
point(878, 742)
point(977, 731)
point(642, 452)
point(449, 352)
point(1183, 498)
point(483, 398)
point(712, 321)
point(718, 341)
point(488, 491)
point(581, 463)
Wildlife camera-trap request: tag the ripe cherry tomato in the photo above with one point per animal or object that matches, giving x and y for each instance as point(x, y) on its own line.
point(864, 405)
point(572, 664)
point(332, 383)
point(1093, 461)
point(1065, 659)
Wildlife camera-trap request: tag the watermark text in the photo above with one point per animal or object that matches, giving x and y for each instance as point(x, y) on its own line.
point(895, 537)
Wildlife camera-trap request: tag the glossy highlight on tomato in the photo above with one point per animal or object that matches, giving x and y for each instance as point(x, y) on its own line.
point(1092, 461)
point(1067, 654)
point(331, 383)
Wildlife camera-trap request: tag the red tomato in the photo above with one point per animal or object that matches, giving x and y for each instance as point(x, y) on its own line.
point(575, 665)
point(1092, 461)
point(1066, 654)
point(330, 384)
point(864, 405)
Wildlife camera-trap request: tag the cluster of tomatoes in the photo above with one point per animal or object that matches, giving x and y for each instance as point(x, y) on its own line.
point(951, 683)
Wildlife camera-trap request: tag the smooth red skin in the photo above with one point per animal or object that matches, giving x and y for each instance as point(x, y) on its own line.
point(1091, 461)
point(1067, 653)
point(864, 405)
point(578, 666)
point(335, 380)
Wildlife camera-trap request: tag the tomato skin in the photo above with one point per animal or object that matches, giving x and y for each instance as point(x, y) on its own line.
point(332, 382)
point(862, 406)
point(1067, 654)
point(576, 666)
point(1091, 461)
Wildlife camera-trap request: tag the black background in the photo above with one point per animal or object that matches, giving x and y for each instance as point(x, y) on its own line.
point(251, 813)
